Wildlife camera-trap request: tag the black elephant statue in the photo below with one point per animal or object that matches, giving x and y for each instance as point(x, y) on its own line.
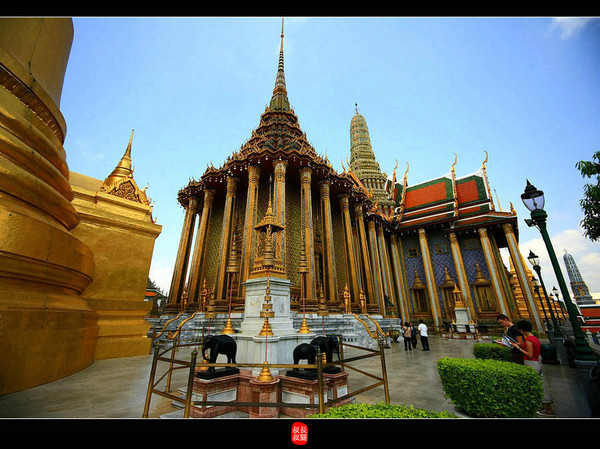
point(219, 344)
point(327, 345)
point(305, 351)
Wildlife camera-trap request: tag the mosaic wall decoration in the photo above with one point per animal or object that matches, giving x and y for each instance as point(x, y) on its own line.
point(441, 257)
point(293, 227)
point(339, 246)
point(213, 240)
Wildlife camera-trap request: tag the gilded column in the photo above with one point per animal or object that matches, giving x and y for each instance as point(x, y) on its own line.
point(430, 276)
point(461, 272)
point(307, 229)
point(364, 249)
point(399, 277)
point(195, 280)
point(352, 273)
point(493, 270)
point(385, 266)
point(377, 274)
point(226, 232)
point(328, 251)
point(183, 252)
point(279, 203)
point(521, 271)
point(249, 222)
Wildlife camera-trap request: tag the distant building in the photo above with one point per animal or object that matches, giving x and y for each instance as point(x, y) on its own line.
point(581, 293)
point(588, 307)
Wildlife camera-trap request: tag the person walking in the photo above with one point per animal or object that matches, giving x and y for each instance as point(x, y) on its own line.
point(422, 329)
point(406, 329)
point(511, 330)
point(530, 349)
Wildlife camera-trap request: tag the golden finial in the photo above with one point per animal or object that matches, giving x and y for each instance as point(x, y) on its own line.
point(265, 374)
point(455, 160)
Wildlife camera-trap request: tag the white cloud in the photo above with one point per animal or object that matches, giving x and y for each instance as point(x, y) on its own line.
point(569, 26)
point(585, 253)
point(161, 275)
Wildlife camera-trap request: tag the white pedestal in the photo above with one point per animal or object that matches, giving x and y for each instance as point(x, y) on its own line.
point(463, 317)
point(277, 348)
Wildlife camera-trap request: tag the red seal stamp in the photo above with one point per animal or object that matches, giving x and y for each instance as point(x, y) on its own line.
point(299, 433)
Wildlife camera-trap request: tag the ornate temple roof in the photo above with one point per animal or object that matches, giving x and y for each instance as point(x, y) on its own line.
point(278, 136)
point(462, 202)
point(457, 203)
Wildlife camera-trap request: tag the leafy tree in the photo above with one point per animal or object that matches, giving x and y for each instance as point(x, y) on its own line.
point(590, 203)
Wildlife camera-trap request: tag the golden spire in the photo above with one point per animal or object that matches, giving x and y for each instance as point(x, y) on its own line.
point(280, 100)
point(123, 168)
point(117, 182)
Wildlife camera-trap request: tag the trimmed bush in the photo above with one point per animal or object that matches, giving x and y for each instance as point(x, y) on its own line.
point(485, 388)
point(491, 351)
point(380, 410)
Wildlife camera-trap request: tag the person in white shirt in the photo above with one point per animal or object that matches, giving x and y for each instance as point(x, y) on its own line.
point(422, 329)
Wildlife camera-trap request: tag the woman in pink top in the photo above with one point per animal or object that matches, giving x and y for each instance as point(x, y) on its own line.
point(531, 348)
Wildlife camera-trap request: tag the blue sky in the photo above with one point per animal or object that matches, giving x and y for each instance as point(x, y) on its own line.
point(526, 90)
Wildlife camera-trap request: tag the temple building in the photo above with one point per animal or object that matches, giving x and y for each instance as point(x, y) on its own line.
point(398, 250)
point(581, 293)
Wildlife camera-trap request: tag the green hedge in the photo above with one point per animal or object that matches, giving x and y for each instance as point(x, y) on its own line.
point(491, 351)
point(380, 410)
point(485, 388)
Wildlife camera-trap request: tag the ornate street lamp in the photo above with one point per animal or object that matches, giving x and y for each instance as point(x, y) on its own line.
point(536, 289)
point(534, 201)
point(535, 263)
point(560, 305)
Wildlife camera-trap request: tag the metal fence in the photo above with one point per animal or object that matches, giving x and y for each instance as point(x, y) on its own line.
point(169, 355)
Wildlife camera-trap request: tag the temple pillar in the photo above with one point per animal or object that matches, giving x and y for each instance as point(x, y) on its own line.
point(328, 250)
point(377, 274)
point(385, 266)
point(364, 251)
point(195, 281)
point(226, 231)
point(493, 270)
point(249, 223)
point(430, 278)
point(307, 229)
point(350, 253)
point(183, 253)
point(521, 271)
point(399, 278)
point(461, 273)
point(279, 167)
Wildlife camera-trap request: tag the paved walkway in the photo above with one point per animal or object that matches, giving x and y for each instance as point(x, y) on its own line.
point(116, 388)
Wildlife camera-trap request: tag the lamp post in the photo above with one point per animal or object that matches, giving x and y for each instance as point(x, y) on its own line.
point(555, 291)
point(536, 289)
point(535, 263)
point(553, 302)
point(533, 199)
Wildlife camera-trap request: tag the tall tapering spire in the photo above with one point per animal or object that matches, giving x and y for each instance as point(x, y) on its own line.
point(121, 183)
point(280, 101)
point(123, 168)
